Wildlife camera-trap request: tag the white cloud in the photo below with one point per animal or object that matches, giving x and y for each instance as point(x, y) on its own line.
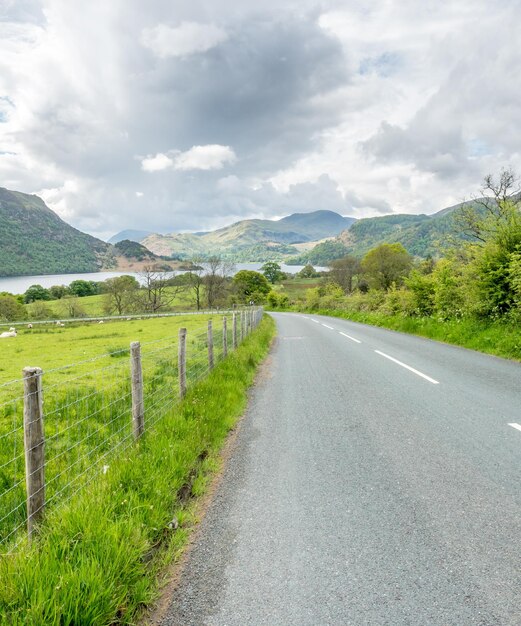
point(156, 163)
point(186, 39)
point(211, 157)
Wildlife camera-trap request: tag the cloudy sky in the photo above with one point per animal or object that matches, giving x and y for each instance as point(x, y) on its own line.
point(170, 116)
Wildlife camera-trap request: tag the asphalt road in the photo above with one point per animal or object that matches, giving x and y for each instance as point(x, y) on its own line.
point(363, 492)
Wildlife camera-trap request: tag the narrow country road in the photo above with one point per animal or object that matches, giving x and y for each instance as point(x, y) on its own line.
point(376, 480)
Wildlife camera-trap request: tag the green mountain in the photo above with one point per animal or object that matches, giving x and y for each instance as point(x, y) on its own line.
point(34, 240)
point(421, 235)
point(252, 240)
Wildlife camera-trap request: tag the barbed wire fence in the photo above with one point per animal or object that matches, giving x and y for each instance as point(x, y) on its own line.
point(56, 437)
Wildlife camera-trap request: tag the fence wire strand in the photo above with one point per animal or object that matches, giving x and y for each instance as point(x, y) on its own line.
point(88, 416)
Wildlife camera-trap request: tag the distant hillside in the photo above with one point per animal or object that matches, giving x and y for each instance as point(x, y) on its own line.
point(420, 235)
point(34, 240)
point(133, 250)
point(252, 240)
point(131, 235)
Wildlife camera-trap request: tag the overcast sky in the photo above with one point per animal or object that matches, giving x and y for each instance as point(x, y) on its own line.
point(170, 116)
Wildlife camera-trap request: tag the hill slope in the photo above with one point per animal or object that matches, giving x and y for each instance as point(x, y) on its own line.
point(34, 240)
point(421, 235)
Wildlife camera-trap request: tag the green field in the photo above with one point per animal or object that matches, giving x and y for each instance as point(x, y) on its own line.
point(87, 397)
point(49, 347)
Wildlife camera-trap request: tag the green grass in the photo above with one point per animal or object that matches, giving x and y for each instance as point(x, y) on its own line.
point(501, 339)
point(51, 347)
point(87, 406)
point(97, 558)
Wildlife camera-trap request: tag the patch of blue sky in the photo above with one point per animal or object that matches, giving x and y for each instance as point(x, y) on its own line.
point(477, 148)
point(5, 104)
point(384, 64)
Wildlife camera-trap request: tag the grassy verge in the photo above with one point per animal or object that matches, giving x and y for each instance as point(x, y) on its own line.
point(97, 558)
point(498, 338)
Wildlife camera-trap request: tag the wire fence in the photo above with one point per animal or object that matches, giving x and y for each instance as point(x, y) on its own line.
point(94, 415)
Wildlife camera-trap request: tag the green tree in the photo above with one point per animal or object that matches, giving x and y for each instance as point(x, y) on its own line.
point(82, 288)
point(343, 271)
point(57, 291)
point(272, 272)
point(308, 271)
point(11, 310)
point(386, 264)
point(36, 292)
point(120, 294)
point(215, 280)
point(250, 285)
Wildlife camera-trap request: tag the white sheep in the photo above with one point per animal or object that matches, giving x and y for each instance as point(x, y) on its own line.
point(58, 323)
point(101, 322)
point(29, 325)
point(11, 333)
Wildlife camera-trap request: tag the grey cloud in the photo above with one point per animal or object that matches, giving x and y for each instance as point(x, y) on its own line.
point(255, 92)
point(474, 113)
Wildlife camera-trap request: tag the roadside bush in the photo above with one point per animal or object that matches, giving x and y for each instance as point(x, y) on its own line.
point(399, 301)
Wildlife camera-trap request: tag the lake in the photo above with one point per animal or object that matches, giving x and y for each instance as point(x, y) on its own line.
point(20, 284)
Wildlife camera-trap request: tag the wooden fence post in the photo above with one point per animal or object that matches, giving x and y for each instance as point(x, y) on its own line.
point(34, 443)
point(234, 333)
point(181, 362)
point(242, 326)
point(210, 344)
point(138, 405)
point(225, 337)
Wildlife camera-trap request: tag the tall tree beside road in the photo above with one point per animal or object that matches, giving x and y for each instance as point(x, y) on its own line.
point(251, 285)
point(386, 264)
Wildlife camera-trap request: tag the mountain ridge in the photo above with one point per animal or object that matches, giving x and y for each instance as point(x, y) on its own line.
point(237, 238)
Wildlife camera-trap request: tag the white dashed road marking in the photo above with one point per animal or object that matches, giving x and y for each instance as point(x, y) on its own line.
point(408, 367)
point(352, 338)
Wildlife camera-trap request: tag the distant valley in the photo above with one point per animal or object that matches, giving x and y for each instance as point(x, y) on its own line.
point(34, 240)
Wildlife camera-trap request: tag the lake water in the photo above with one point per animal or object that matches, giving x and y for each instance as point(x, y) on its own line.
point(20, 284)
